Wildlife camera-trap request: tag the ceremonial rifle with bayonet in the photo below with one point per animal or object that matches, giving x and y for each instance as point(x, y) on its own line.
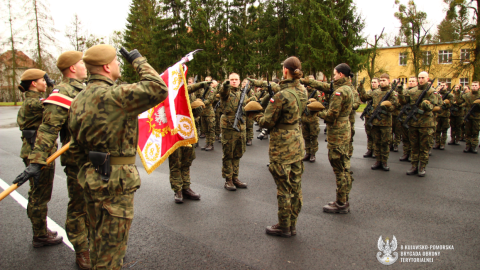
point(239, 113)
point(378, 110)
point(414, 110)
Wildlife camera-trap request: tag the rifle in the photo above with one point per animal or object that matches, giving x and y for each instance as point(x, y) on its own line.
point(367, 109)
point(415, 108)
point(472, 109)
point(446, 94)
point(239, 113)
point(311, 96)
point(378, 109)
point(205, 91)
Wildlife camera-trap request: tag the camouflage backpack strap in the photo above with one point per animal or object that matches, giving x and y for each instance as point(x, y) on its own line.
point(300, 109)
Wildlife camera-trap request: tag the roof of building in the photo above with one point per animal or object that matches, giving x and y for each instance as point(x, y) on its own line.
point(21, 59)
point(428, 44)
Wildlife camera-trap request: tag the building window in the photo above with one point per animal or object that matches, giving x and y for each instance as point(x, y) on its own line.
point(403, 80)
point(427, 58)
point(445, 57)
point(465, 55)
point(464, 81)
point(402, 60)
point(448, 81)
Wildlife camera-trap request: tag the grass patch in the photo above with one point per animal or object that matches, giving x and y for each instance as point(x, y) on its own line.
point(362, 107)
point(11, 103)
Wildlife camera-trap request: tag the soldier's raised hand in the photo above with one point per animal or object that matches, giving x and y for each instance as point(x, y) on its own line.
point(130, 56)
point(33, 170)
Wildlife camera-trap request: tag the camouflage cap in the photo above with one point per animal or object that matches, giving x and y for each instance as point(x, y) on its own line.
point(32, 74)
point(100, 55)
point(68, 59)
point(315, 106)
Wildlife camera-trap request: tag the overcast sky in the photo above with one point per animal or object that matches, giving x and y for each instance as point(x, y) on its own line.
point(102, 17)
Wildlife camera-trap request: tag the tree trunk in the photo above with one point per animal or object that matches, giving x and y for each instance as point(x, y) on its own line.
point(40, 63)
point(14, 60)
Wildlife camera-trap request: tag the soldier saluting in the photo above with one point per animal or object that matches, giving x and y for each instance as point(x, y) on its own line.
point(104, 128)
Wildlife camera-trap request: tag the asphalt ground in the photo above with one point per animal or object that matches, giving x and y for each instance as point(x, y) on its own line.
point(226, 230)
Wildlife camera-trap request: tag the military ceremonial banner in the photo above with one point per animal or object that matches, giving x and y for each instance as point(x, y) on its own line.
point(168, 125)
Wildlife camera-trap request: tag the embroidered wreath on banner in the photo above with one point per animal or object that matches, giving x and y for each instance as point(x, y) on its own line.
point(152, 153)
point(185, 126)
point(177, 79)
point(159, 118)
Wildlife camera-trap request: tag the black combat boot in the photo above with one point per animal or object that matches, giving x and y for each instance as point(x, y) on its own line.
point(190, 194)
point(368, 153)
point(412, 171)
point(404, 158)
point(377, 166)
point(278, 231)
point(421, 171)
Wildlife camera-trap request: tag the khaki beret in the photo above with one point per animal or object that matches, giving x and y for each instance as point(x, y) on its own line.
point(32, 74)
point(100, 55)
point(197, 103)
point(386, 103)
point(253, 107)
point(315, 106)
point(436, 109)
point(477, 101)
point(68, 59)
point(218, 95)
point(446, 101)
point(312, 100)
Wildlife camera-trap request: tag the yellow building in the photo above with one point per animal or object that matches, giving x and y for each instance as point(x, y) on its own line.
point(449, 62)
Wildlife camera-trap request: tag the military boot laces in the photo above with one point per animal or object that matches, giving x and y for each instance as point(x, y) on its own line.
point(190, 194)
point(238, 183)
point(278, 231)
point(83, 260)
point(229, 185)
point(48, 240)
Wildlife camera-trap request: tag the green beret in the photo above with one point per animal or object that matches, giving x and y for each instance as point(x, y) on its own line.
point(100, 55)
point(32, 74)
point(68, 59)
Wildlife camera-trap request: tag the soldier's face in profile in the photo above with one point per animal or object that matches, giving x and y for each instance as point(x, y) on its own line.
point(374, 84)
point(40, 85)
point(384, 82)
point(412, 82)
point(115, 69)
point(81, 70)
point(336, 75)
point(234, 80)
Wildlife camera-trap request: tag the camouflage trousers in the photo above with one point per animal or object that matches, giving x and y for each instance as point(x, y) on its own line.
point(288, 178)
point(108, 231)
point(249, 124)
point(77, 223)
point(396, 131)
point(179, 163)
point(233, 147)
point(310, 131)
point(198, 125)
point(368, 130)
point(443, 123)
point(38, 198)
point(344, 177)
point(472, 127)
point(421, 140)
point(218, 130)
point(455, 127)
point(407, 147)
point(208, 128)
point(381, 137)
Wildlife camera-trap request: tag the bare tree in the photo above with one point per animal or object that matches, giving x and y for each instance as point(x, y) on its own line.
point(76, 34)
point(372, 55)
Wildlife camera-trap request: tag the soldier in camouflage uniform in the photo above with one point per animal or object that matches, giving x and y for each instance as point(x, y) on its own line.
point(420, 131)
point(456, 119)
point(217, 111)
point(180, 161)
point(382, 129)
point(282, 117)
point(233, 142)
point(368, 129)
point(208, 117)
point(355, 105)
point(339, 134)
point(472, 122)
point(103, 122)
point(29, 118)
point(311, 127)
point(250, 121)
point(407, 147)
point(443, 118)
point(396, 126)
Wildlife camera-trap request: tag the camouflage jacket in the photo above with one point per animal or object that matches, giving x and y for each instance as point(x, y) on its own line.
point(55, 121)
point(286, 145)
point(356, 103)
point(445, 112)
point(467, 101)
point(376, 96)
point(403, 103)
point(455, 109)
point(230, 97)
point(425, 118)
point(369, 113)
point(209, 99)
point(104, 118)
point(29, 117)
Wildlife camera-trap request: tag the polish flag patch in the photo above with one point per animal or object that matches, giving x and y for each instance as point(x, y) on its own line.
point(337, 94)
point(55, 90)
point(272, 100)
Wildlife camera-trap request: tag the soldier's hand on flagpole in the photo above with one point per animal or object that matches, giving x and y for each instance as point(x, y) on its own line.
point(130, 56)
point(33, 170)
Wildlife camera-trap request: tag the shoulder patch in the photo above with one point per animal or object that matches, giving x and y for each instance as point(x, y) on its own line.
point(55, 90)
point(272, 100)
point(60, 100)
point(337, 93)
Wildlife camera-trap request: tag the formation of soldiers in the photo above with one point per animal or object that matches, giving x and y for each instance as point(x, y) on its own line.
point(99, 122)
